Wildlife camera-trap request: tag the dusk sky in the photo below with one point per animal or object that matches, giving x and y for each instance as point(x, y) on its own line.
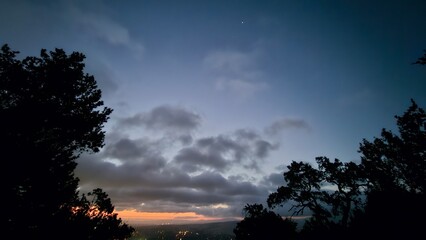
point(213, 99)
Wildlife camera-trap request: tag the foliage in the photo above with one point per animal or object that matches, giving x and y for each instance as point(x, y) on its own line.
point(259, 223)
point(394, 166)
point(380, 197)
point(346, 199)
point(390, 215)
point(51, 112)
point(330, 192)
point(397, 162)
point(95, 219)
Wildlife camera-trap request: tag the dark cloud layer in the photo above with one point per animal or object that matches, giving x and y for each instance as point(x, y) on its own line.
point(164, 117)
point(146, 189)
point(149, 174)
point(243, 147)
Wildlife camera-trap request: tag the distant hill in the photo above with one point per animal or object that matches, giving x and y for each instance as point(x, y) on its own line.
point(202, 231)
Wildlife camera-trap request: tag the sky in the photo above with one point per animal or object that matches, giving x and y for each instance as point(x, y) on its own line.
point(213, 99)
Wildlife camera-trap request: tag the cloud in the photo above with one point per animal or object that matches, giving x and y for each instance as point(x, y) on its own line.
point(286, 123)
point(236, 72)
point(106, 78)
point(143, 151)
point(247, 134)
point(125, 149)
point(193, 159)
point(165, 188)
point(136, 173)
point(360, 97)
point(273, 180)
point(242, 88)
point(166, 117)
point(262, 148)
point(104, 28)
point(233, 62)
point(210, 175)
point(220, 153)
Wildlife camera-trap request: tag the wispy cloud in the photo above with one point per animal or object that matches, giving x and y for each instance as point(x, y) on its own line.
point(241, 88)
point(360, 97)
point(105, 29)
point(286, 123)
point(105, 75)
point(233, 62)
point(236, 72)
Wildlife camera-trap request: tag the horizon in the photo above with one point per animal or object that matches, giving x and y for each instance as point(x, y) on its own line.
point(161, 218)
point(165, 221)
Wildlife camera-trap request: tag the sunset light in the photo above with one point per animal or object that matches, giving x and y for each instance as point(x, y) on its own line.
point(135, 217)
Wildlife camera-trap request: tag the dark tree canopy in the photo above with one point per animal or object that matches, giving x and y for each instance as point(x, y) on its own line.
point(94, 218)
point(397, 162)
point(394, 166)
point(51, 101)
point(305, 187)
point(51, 112)
point(259, 223)
point(380, 196)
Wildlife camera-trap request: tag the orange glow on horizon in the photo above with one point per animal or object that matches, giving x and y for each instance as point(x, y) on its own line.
point(132, 216)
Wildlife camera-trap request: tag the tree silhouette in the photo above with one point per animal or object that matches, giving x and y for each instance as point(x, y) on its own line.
point(380, 196)
point(395, 169)
point(398, 162)
point(51, 112)
point(259, 223)
point(95, 219)
point(305, 186)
